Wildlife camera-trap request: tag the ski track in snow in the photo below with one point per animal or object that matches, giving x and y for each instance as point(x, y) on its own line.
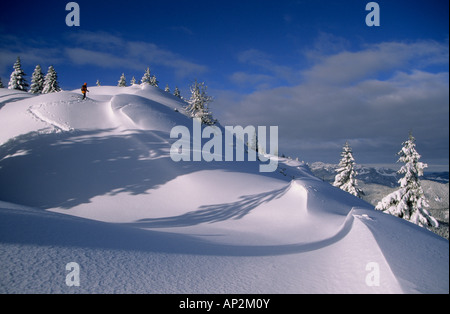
point(36, 111)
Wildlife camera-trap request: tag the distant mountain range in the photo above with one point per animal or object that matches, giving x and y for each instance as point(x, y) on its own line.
point(373, 175)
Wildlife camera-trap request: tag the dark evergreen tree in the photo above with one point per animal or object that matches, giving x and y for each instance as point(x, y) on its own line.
point(177, 92)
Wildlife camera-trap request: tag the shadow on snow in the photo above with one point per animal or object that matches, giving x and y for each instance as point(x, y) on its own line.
point(70, 168)
point(214, 213)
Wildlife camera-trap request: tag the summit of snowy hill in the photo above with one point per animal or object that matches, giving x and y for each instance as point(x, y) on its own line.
point(106, 108)
point(93, 183)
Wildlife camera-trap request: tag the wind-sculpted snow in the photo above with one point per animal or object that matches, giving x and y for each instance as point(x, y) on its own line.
point(119, 259)
point(143, 113)
point(92, 182)
point(9, 96)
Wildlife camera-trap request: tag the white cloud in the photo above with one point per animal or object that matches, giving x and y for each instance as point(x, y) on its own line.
point(373, 97)
point(31, 53)
point(99, 41)
point(263, 62)
point(347, 67)
point(152, 54)
point(108, 50)
point(261, 81)
point(97, 49)
point(82, 56)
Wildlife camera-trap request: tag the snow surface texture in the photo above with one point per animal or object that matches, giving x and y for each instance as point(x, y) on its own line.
point(92, 182)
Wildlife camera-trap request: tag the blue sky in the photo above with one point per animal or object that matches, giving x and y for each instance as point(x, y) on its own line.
point(312, 67)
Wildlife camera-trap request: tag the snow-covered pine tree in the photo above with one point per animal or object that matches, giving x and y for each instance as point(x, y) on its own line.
point(154, 81)
point(346, 174)
point(198, 104)
point(133, 81)
point(146, 78)
point(255, 143)
point(37, 81)
point(51, 82)
point(122, 81)
point(17, 79)
point(408, 202)
point(176, 92)
point(167, 89)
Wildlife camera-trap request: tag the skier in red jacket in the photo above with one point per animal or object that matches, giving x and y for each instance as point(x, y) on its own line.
point(84, 90)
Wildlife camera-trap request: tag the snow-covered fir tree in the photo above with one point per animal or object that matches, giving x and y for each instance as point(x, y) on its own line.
point(154, 81)
point(146, 78)
point(176, 92)
point(167, 89)
point(133, 81)
point(198, 104)
point(37, 81)
point(122, 81)
point(98, 83)
point(51, 81)
point(17, 79)
point(408, 202)
point(346, 174)
point(255, 143)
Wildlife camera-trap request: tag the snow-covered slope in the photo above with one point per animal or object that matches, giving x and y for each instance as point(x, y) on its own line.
point(92, 182)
